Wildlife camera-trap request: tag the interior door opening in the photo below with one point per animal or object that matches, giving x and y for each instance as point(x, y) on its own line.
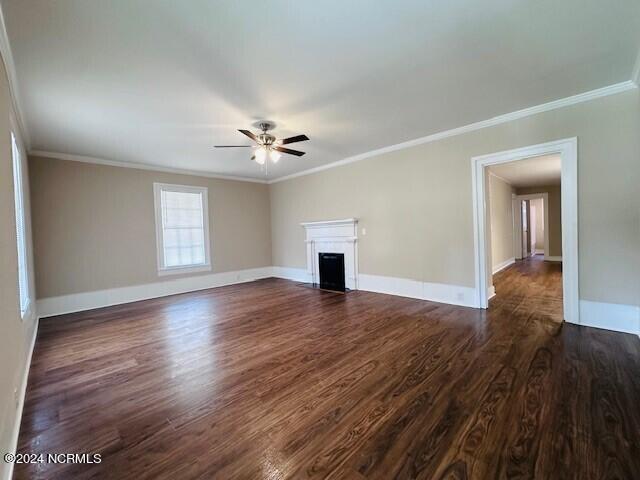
point(523, 203)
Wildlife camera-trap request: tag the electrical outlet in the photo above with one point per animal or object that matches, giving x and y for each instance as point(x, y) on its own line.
point(16, 397)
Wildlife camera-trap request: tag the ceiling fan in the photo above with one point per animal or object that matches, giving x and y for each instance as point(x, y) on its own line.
point(267, 144)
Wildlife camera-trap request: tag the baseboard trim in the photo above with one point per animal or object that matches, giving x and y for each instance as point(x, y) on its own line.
point(295, 274)
point(48, 307)
point(403, 287)
point(610, 316)
point(503, 265)
point(8, 474)
point(491, 292)
point(539, 251)
point(550, 258)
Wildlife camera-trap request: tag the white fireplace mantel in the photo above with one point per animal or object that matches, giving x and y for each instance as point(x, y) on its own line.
point(333, 236)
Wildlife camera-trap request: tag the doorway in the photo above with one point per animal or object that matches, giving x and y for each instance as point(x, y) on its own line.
point(532, 209)
point(525, 220)
point(566, 150)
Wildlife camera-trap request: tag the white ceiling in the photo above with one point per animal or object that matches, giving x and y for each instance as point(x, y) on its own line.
point(160, 81)
point(531, 172)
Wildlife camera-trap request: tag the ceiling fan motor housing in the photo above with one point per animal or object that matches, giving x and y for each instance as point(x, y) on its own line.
point(266, 139)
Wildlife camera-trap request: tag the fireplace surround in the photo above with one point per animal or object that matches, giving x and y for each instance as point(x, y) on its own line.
point(336, 237)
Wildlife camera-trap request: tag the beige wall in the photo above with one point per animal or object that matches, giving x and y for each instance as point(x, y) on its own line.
point(15, 334)
point(94, 225)
point(501, 220)
point(555, 215)
point(417, 208)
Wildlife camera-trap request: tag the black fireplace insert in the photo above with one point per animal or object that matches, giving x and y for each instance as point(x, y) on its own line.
point(332, 271)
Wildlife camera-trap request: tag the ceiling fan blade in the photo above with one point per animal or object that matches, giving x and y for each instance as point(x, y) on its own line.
point(297, 153)
point(249, 134)
point(297, 138)
point(232, 146)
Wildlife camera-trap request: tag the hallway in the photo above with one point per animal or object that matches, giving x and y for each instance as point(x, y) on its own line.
point(530, 285)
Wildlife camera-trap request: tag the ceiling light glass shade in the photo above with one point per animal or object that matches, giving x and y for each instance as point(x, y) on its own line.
point(275, 156)
point(261, 155)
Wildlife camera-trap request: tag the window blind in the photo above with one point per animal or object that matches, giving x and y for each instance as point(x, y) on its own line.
point(182, 228)
point(23, 275)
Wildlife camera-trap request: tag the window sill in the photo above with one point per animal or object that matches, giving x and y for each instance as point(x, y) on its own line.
point(182, 270)
point(27, 314)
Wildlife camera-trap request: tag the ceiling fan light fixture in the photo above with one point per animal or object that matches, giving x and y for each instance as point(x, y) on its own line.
point(261, 155)
point(268, 148)
point(275, 156)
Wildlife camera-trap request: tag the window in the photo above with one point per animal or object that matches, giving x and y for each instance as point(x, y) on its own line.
point(182, 228)
point(21, 231)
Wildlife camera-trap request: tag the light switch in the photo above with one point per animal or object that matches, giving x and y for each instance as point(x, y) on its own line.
point(364, 232)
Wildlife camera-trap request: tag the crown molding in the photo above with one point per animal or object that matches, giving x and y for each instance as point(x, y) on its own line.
point(508, 117)
point(9, 65)
point(545, 107)
point(140, 166)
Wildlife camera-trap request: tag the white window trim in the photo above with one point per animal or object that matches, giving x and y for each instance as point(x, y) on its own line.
point(17, 167)
point(162, 270)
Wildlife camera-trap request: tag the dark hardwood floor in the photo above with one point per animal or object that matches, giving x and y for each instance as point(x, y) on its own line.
point(271, 380)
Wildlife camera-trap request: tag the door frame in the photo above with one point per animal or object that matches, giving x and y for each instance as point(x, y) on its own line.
point(568, 151)
point(517, 229)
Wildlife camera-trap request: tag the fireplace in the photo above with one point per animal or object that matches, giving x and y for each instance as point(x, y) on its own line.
point(331, 266)
point(333, 237)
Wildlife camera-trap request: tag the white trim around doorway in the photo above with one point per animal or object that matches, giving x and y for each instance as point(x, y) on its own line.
point(568, 151)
